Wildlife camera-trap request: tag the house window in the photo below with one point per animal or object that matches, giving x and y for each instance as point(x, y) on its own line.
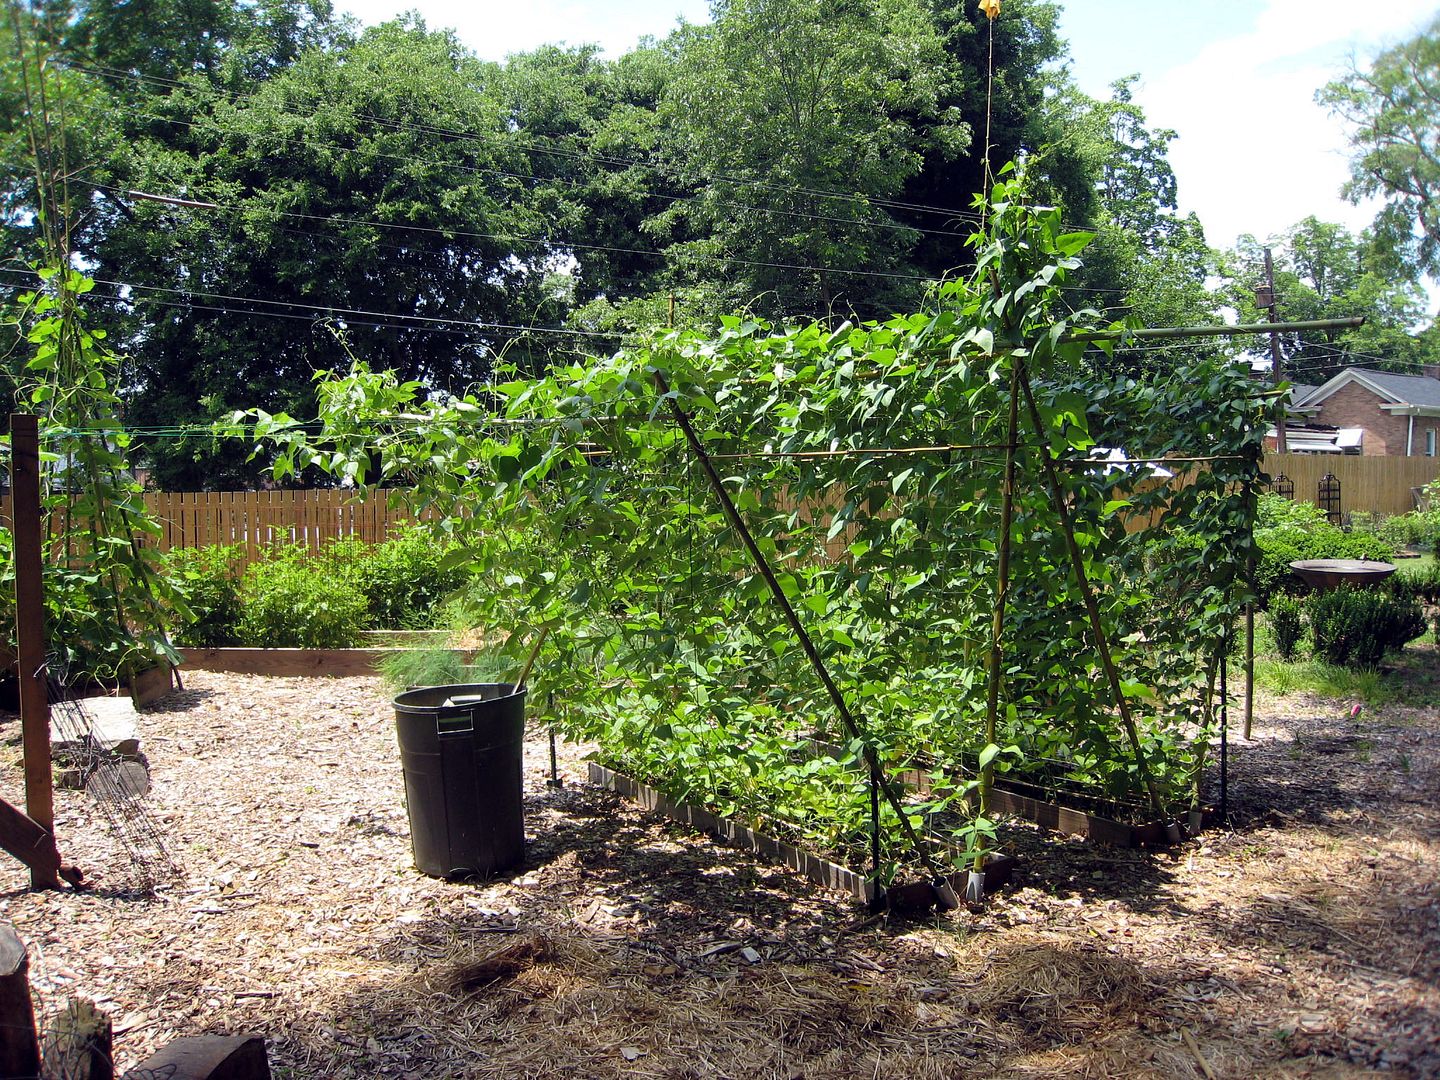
point(1430, 442)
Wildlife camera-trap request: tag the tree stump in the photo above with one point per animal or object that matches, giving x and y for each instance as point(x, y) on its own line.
point(19, 1049)
point(78, 1045)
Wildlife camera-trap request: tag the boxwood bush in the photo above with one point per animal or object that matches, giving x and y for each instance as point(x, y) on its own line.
point(1287, 624)
point(1287, 531)
point(1358, 627)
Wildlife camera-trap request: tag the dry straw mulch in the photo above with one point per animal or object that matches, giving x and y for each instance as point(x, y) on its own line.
point(1303, 942)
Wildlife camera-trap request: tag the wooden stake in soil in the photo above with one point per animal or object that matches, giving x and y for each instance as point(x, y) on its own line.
point(19, 1048)
point(30, 636)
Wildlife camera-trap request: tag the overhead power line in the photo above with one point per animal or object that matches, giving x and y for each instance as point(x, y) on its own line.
point(544, 242)
point(532, 144)
point(319, 312)
point(513, 238)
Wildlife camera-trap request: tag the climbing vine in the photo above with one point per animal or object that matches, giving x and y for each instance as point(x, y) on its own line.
point(867, 461)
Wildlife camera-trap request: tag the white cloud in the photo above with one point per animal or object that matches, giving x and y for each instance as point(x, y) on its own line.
point(1256, 153)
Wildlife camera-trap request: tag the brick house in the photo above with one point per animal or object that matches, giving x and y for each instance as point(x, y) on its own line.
point(1379, 412)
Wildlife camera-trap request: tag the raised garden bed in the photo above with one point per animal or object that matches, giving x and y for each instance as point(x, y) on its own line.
point(1030, 803)
point(998, 871)
point(337, 662)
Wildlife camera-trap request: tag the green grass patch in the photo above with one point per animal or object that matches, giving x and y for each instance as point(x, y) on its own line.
point(1418, 567)
point(1411, 679)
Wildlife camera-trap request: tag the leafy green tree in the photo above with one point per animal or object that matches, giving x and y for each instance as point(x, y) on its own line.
point(592, 128)
point(1323, 271)
point(793, 125)
point(1148, 262)
point(233, 43)
point(1027, 53)
point(384, 177)
point(1393, 109)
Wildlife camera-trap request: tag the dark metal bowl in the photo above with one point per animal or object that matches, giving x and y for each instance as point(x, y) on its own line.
point(1332, 573)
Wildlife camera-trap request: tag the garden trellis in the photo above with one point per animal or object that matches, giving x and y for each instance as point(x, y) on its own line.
point(581, 504)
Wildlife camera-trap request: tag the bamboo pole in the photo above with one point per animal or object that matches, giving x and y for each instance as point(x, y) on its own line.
point(975, 889)
point(1097, 630)
point(1218, 330)
point(852, 726)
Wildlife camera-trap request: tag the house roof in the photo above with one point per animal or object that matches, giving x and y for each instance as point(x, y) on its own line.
point(1395, 391)
point(1320, 439)
point(1299, 391)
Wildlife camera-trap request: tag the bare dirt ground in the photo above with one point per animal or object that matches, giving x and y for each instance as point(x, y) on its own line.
point(1303, 941)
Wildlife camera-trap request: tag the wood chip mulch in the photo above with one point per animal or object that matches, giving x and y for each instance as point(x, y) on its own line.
point(1303, 941)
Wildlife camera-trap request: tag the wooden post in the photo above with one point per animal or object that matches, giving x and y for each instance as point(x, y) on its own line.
point(1276, 359)
point(19, 1048)
point(30, 632)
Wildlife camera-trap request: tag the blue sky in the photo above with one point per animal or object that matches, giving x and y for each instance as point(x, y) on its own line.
point(1236, 80)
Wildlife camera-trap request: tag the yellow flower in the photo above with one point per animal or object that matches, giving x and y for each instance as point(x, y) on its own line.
point(991, 8)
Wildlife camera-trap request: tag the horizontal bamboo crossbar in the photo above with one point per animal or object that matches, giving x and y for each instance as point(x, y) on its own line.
point(256, 520)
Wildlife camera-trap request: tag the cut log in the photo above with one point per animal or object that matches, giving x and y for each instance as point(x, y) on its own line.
point(19, 1049)
point(209, 1057)
point(78, 1045)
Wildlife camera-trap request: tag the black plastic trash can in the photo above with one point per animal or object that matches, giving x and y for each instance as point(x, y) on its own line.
point(462, 750)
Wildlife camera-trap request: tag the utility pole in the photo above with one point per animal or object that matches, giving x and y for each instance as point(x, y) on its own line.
point(1265, 298)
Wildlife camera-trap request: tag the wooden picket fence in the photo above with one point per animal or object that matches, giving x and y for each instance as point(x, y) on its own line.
point(255, 520)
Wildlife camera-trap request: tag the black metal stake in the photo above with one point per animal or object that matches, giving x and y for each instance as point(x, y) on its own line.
point(877, 899)
point(554, 780)
point(1225, 730)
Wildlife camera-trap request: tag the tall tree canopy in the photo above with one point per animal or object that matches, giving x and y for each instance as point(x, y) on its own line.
point(1393, 108)
point(792, 125)
point(1148, 263)
point(323, 189)
point(1324, 271)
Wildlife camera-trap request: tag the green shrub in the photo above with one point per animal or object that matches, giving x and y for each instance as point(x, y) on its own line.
point(1396, 531)
point(1287, 532)
point(1423, 582)
point(1357, 627)
point(1286, 617)
point(208, 581)
point(291, 600)
point(1405, 530)
point(404, 582)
